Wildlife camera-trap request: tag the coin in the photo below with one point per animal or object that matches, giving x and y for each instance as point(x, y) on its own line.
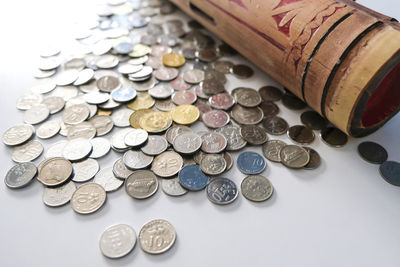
point(20, 175)
point(155, 145)
point(140, 50)
point(103, 124)
point(165, 105)
point(77, 149)
point(18, 134)
point(54, 103)
point(275, 125)
point(134, 119)
point(172, 187)
point(120, 170)
point(222, 101)
point(294, 157)
point(270, 93)
point(187, 143)
point(36, 114)
point(43, 86)
point(88, 198)
point(84, 130)
point(242, 71)
point(212, 86)
point(105, 177)
point(48, 129)
point(142, 101)
point(66, 77)
point(272, 148)
point(100, 147)
point(85, 170)
point(161, 91)
point(174, 131)
point(246, 116)
point(233, 137)
point(118, 140)
point(107, 61)
point(213, 142)
point(247, 97)
point(28, 100)
point(372, 152)
point(66, 92)
point(121, 117)
point(135, 160)
point(166, 74)
point(75, 114)
point(215, 118)
point(292, 102)
point(27, 152)
point(108, 83)
point(58, 196)
point(301, 134)
point(123, 94)
point(173, 60)
point(256, 188)
point(213, 164)
point(315, 159)
point(193, 76)
point(184, 97)
point(55, 171)
point(179, 84)
point(221, 191)
point(313, 120)
point(251, 163)
point(135, 137)
point(390, 171)
point(155, 121)
point(117, 241)
point(198, 89)
point(269, 108)
point(253, 134)
point(56, 149)
point(141, 184)
point(333, 137)
point(223, 66)
point(84, 76)
point(167, 164)
point(157, 236)
point(192, 178)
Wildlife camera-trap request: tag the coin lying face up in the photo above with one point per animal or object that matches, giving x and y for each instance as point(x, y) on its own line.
point(157, 236)
point(117, 241)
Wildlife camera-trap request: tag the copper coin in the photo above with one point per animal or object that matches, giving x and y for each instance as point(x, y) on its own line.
point(179, 84)
point(215, 118)
point(203, 108)
point(275, 125)
point(270, 93)
point(247, 97)
point(184, 97)
point(198, 89)
point(213, 142)
point(315, 159)
point(333, 137)
point(242, 71)
point(292, 102)
point(247, 116)
point(212, 86)
point(207, 55)
point(269, 108)
point(253, 134)
point(222, 101)
point(313, 120)
point(301, 134)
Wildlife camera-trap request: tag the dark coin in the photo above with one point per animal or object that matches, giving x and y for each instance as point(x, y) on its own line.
point(253, 134)
point(272, 149)
point(192, 178)
point(315, 159)
point(301, 134)
point(229, 161)
point(20, 175)
point(222, 191)
point(242, 71)
point(251, 163)
point(212, 86)
point(212, 74)
point(333, 137)
point(390, 171)
point(313, 120)
point(275, 125)
point(207, 55)
point(269, 108)
point(270, 93)
point(226, 50)
point(246, 97)
point(189, 53)
point(372, 152)
point(292, 102)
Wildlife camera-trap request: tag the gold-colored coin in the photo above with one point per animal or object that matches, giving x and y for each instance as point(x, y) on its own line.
point(155, 122)
point(103, 112)
point(121, 10)
point(140, 50)
point(142, 101)
point(173, 60)
point(135, 117)
point(185, 114)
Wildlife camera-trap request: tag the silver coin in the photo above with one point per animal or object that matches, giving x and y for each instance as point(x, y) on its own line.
point(118, 139)
point(102, 47)
point(107, 61)
point(89, 87)
point(123, 94)
point(66, 92)
point(167, 164)
point(103, 124)
point(121, 117)
point(253, 134)
point(247, 97)
point(48, 129)
point(49, 63)
point(110, 104)
point(76, 100)
point(247, 116)
point(213, 142)
point(129, 68)
point(144, 72)
point(213, 164)
point(85, 170)
point(56, 150)
point(135, 160)
point(136, 137)
point(155, 145)
point(232, 134)
point(105, 178)
point(76, 63)
point(141, 184)
point(84, 76)
point(120, 170)
point(166, 74)
point(193, 76)
point(88, 198)
point(172, 187)
point(187, 143)
point(108, 83)
point(174, 131)
point(77, 149)
point(43, 86)
point(18, 134)
point(28, 100)
point(222, 191)
point(36, 114)
point(54, 104)
point(144, 85)
point(100, 147)
point(41, 74)
point(117, 241)
point(256, 188)
point(96, 97)
point(272, 149)
point(27, 152)
point(58, 196)
point(66, 77)
point(293, 156)
point(138, 60)
point(161, 91)
point(229, 161)
point(164, 105)
point(55, 171)
point(83, 130)
point(157, 230)
point(75, 114)
point(20, 175)
point(275, 125)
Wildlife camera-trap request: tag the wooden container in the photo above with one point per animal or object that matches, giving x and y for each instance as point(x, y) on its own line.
point(339, 57)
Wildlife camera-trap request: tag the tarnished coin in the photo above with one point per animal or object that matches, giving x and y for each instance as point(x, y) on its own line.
point(233, 137)
point(192, 178)
point(83, 129)
point(161, 91)
point(121, 117)
point(105, 177)
point(270, 93)
point(247, 116)
point(269, 108)
point(166, 74)
point(135, 137)
point(108, 83)
point(222, 191)
point(184, 97)
point(142, 101)
point(223, 66)
point(54, 103)
point(185, 114)
point(141, 184)
point(100, 147)
point(193, 76)
point(256, 188)
point(212, 86)
point(390, 171)
point(315, 159)
point(247, 97)
point(275, 125)
point(221, 101)
point(213, 142)
point(313, 120)
point(372, 152)
point(157, 236)
point(242, 71)
point(20, 175)
point(215, 118)
point(103, 124)
point(48, 129)
point(253, 134)
point(165, 105)
point(208, 55)
point(85, 170)
point(120, 170)
point(174, 131)
point(36, 114)
point(292, 102)
point(58, 196)
point(172, 187)
point(167, 164)
point(75, 114)
point(179, 84)
point(301, 134)
point(88, 198)
point(213, 164)
point(56, 150)
point(28, 100)
point(173, 60)
point(55, 171)
point(135, 160)
point(333, 137)
point(198, 89)
point(77, 149)
point(187, 143)
point(294, 157)
point(27, 152)
point(272, 149)
point(18, 134)
point(118, 140)
point(155, 145)
point(117, 241)
point(251, 163)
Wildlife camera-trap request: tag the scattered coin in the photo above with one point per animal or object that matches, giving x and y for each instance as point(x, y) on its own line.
point(270, 93)
point(213, 142)
point(117, 241)
point(272, 149)
point(28, 100)
point(135, 160)
point(173, 60)
point(213, 164)
point(269, 108)
point(155, 145)
point(75, 114)
point(54, 104)
point(108, 83)
point(103, 124)
point(390, 171)
point(187, 143)
point(247, 116)
point(253, 134)
point(56, 150)
point(256, 188)
point(48, 129)
point(233, 137)
point(100, 147)
point(135, 137)
point(192, 178)
point(88, 198)
point(185, 114)
point(55, 172)
point(242, 71)
point(222, 101)
point(121, 117)
point(157, 230)
point(167, 164)
point(120, 170)
point(184, 97)
point(77, 149)
point(141, 184)
point(215, 118)
point(275, 125)
point(294, 157)
point(83, 129)
point(20, 175)
point(155, 121)
point(313, 120)
point(165, 74)
point(222, 191)
point(172, 187)
point(301, 134)
point(58, 196)
point(247, 97)
point(194, 76)
point(27, 152)
point(18, 134)
point(292, 102)
point(179, 84)
point(161, 91)
point(96, 97)
point(85, 170)
point(315, 159)
point(142, 101)
point(251, 163)
point(165, 105)
point(105, 177)
point(118, 140)
point(36, 114)
point(372, 152)
point(333, 137)
point(212, 86)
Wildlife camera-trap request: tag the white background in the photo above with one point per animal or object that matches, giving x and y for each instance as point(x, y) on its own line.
point(342, 214)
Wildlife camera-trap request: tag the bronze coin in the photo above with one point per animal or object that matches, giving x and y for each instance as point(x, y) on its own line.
point(301, 134)
point(212, 86)
point(372, 152)
point(179, 84)
point(246, 97)
point(223, 66)
point(208, 55)
point(253, 134)
point(275, 125)
point(315, 159)
point(292, 102)
point(270, 93)
point(226, 50)
point(313, 120)
point(215, 118)
point(242, 71)
point(333, 137)
point(269, 108)
point(222, 101)
point(203, 108)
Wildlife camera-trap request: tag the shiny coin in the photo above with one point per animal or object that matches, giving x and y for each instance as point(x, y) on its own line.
point(242, 71)
point(212, 86)
point(301, 134)
point(136, 137)
point(270, 93)
point(54, 104)
point(75, 114)
point(108, 83)
point(247, 97)
point(294, 157)
point(135, 160)
point(20, 175)
point(105, 177)
point(179, 84)
point(100, 147)
point(185, 114)
point(96, 98)
point(66, 92)
point(269, 108)
point(213, 164)
point(292, 102)
point(390, 171)
point(167, 164)
point(49, 63)
point(84, 76)
point(233, 137)
point(174, 131)
point(184, 97)
point(85, 170)
point(194, 76)
point(58, 196)
point(313, 120)
point(192, 178)
point(27, 152)
point(213, 142)
point(198, 89)
point(161, 91)
point(28, 100)
point(43, 86)
point(67, 77)
point(247, 116)
point(120, 170)
point(55, 171)
point(101, 47)
point(251, 163)
point(77, 149)
point(18, 134)
point(275, 125)
point(123, 94)
point(155, 145)
point(187, 143)
point(121, 117)
point(256, 188)
point(222, 101)
point(172, 187)
point(141, 184)
point(56, 149)
point(173, 60)
point(88, 198)
point(166, 74)
point(157, 230)
point(36, 114)
point(372, 152)
point(333, 137)
point(117, 241)
point(138, 60)
point(107, 62)
point(142, 101)
point(84, 130)
point(253, 134)
point(315, 159)
point(272, 149)
point(221, 191)
point(165, 105)
point(118, 140)
point(129, 68)
point(48, 129)
point(103, 124)
point(75, 63)
point(229, 161)
point(215, 118)
point(110, 104)
point(140, 50)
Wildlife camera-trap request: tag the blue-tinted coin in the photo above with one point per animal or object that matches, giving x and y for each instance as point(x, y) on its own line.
point(390, 171)
point(192, 178)
point(123, 48)
point(251, 163)
point(222, 191)
point(123, 94)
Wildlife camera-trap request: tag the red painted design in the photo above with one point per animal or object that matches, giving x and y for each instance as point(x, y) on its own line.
point(239, 3)
point(285, 28)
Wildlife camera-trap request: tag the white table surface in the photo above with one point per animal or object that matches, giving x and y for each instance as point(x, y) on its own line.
point(342, 214)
